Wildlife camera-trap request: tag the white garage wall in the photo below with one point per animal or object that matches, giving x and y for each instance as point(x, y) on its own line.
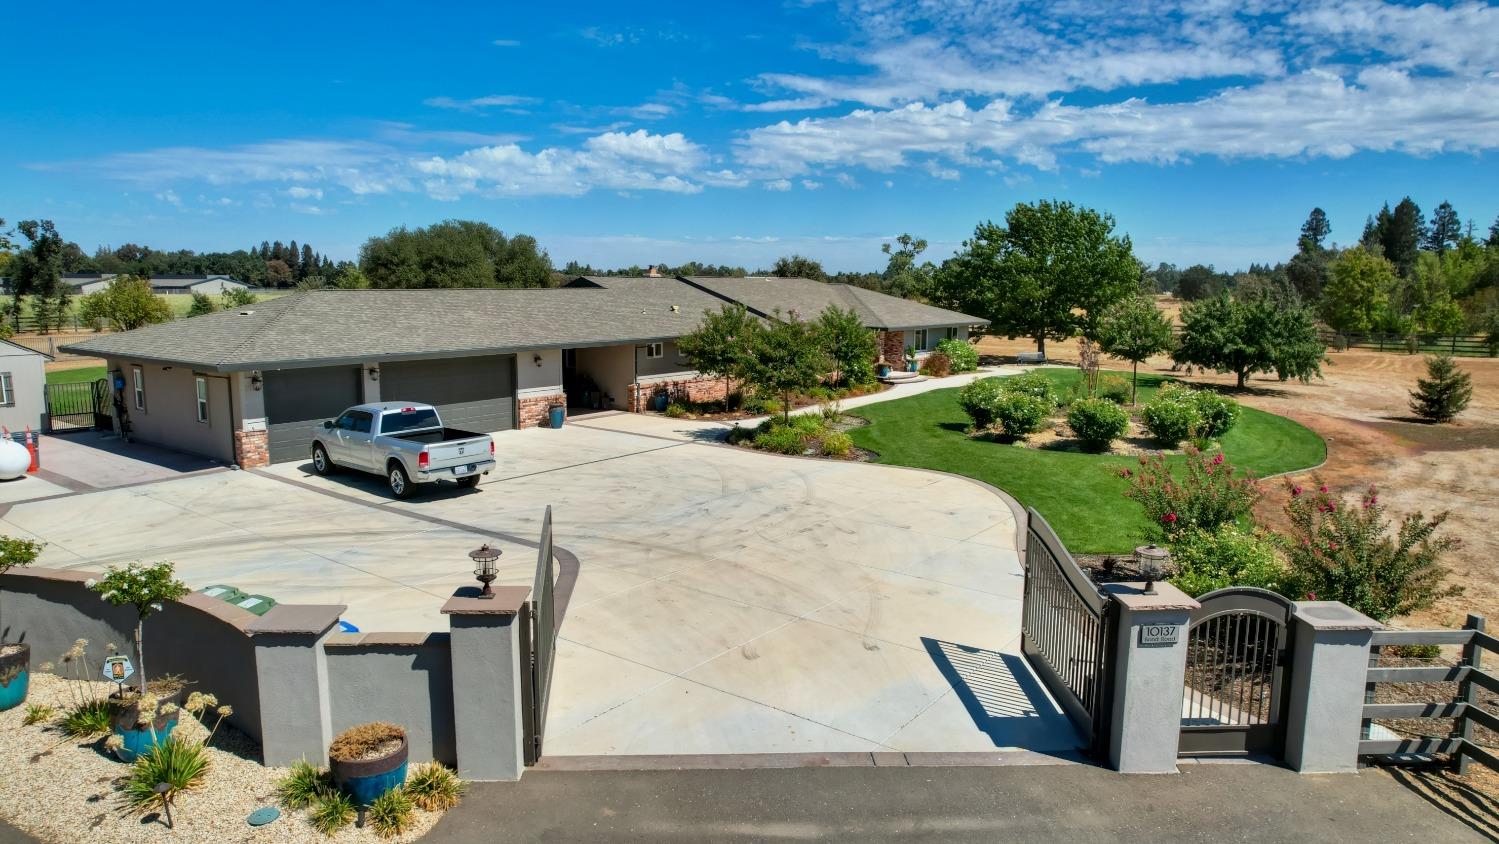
point(538, 380)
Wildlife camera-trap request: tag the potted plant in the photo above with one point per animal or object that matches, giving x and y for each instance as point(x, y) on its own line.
point(910, 358)
point(368, 760)
point(15, 659)
point(144, 716)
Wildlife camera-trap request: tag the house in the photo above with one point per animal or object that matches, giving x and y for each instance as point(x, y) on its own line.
point(86, 283)
point(249, 385)
point(23, 385)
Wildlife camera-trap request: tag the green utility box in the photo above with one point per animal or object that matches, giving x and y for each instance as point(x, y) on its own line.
point(258, 604)
point(224, 592)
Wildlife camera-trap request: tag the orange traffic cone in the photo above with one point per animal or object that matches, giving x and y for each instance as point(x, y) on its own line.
point(33, 446)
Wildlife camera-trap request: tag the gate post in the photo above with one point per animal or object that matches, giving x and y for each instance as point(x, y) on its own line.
point(1150, 666)
point(1329, 671)
point(291, 670)
point(489, 669)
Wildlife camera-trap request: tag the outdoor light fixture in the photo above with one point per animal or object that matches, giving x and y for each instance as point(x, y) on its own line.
point(1150, 561)
point(256, 382)
point(484, 567)
point(536, 358)
point(374, 373)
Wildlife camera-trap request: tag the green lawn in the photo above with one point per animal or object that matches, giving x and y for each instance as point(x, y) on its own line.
point(1081, 495)
point(73, 376)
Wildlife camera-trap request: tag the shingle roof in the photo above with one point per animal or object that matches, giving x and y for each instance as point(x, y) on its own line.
point(331, 326)
point(763, 295)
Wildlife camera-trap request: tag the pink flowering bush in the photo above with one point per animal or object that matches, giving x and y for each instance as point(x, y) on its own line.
point(1201, 494)
point(1342, 550)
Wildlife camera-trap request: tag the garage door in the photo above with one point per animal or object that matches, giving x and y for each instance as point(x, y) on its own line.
point(297, 401)
point(475, 394)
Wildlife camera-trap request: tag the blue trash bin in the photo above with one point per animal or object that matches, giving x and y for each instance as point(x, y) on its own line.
point(557, 415)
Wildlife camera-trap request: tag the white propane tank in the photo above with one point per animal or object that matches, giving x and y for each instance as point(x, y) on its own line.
point(14, 460)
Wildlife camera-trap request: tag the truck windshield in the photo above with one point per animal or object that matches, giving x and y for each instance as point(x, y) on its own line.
point(404, 421)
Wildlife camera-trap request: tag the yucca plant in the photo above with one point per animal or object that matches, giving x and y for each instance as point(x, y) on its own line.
point(331, 812)
point(182, 765)
point(433, 787)
point(390, 814)
point(303, 786)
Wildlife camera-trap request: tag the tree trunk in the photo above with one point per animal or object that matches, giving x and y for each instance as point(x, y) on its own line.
point(1243, 378)
point(140, 656)
point(1134, 382)
point(786, 408)
point(1041, 344)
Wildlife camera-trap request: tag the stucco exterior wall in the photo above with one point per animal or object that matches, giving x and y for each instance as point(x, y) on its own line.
point(533, 380)
point(671, 362)
point(28, 379)
point(404, 679)
point(170, 417)
point(613, 369)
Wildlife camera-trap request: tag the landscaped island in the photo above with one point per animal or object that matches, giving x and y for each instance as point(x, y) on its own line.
point(1080, 494)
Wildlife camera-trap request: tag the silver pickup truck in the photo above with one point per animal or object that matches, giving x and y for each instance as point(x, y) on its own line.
point(405, 442)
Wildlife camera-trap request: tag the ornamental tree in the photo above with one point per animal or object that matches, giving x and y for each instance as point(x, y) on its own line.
point(849, 344)
point(16, 553)
point(1444, 392)
point(1207, 494)
point(785, 359)
point(146, 589)
point(1133, 330)
point(127, 303)
point(719, 346)
point(1357, 291)
point(1245, 335)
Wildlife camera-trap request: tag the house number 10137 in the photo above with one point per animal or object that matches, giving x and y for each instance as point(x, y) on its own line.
point(1160, 634)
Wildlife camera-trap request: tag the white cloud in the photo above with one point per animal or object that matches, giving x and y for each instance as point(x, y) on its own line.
point(505, 42)
point(299, 192)
point(616, 160)
point(170, 197)
point(481, 103)
point(811, 184)
point(306, 208)
point(778, 185)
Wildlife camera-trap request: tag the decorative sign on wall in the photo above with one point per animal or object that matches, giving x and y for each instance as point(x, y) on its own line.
point(1160, 634)
point(117, 668)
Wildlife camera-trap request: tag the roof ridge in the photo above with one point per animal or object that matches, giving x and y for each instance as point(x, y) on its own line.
point(294, 298)
point(857, 293)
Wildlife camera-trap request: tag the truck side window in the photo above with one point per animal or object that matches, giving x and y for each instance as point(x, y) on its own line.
point(362, 421)
point(345, 422)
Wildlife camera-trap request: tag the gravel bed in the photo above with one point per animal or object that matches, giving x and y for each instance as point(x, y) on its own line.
point(67, 794)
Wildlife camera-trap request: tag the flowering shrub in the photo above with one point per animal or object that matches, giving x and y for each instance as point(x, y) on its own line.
point(1097, 422)
point(1341, 551)
point(1219, 413)
point(1032, 384)
point(1021, 414)
point(1216, 559)
point(1207, 494)
point(964, 357)
point(977, 399)
point(146, 588)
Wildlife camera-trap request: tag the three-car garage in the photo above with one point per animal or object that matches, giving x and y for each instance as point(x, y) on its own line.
point(471, 393)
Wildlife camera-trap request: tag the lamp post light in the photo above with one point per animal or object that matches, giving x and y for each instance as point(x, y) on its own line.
point(1151, 561)
point(484, 568)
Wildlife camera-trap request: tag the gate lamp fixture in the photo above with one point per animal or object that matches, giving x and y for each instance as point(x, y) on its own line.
point(1150, 561)
point(484, 568)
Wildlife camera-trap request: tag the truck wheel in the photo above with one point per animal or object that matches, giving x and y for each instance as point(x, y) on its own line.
point(400, 484)
point(470, 481)
point(321, 462)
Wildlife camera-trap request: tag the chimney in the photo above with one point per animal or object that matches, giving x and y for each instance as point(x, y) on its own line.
point(652, 272)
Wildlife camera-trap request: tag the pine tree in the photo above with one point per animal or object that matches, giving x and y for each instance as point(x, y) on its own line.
point(309, 263)
point(293, 261)
point(1493, 238)
point(1315, 229)
point(1404, 235)
point(1446, 229)
point(1444, 392)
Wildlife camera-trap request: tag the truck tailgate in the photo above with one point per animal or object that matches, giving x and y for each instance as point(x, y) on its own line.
point(458, 453)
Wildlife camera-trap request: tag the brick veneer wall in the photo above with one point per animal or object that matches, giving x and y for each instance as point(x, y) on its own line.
point(252, 449)
point(892, 347)
point(532, 410)
point(700, 388)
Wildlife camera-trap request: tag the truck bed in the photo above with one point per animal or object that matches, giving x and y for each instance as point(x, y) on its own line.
point(434, 436)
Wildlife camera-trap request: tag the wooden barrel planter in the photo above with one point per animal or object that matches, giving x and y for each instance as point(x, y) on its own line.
point(368, 760)
point(15, 675)
point(141, 738)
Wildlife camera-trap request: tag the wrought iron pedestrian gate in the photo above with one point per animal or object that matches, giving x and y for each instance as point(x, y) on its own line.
point(539, 643)
point(1237, 652)
point(79, 406)
point(1067, 632)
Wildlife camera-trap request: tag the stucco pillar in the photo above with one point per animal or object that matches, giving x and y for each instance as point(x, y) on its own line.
point(292, 673)
point(1329, 670)
point(1150, 653)
point(489, 667)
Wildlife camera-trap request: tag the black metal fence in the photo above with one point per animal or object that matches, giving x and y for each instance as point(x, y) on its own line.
point(1462, 709)
point(539, 632)
point(1237, 652)
point(79, 406)
point(1456, 345)
point(1067, 632)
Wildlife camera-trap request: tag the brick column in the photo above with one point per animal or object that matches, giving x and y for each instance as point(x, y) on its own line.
point(532, 410)
point(252, 449)
point(892, 347)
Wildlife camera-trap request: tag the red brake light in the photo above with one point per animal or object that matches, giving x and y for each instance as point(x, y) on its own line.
point(407, 409)
point(491, 446)
point(422, 459)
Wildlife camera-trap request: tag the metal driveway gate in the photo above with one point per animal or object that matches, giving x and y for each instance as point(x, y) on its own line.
point(1237, 652)
point(79, 406)
point(298, 401)
point(539, 635)
point(1067, 632)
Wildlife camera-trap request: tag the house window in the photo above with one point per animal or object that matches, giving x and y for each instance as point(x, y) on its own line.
point(7, 391)
point(952, 332)
point(202, 386)
point(654, 350)
point(920, 339)
point(140, 388)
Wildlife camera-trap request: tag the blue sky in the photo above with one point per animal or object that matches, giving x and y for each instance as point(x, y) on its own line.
point(736, 132)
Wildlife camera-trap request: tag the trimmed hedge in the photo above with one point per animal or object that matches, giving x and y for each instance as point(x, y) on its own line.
point(1097, 422)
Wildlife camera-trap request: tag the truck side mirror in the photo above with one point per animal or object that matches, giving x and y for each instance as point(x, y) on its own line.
point(327, 423)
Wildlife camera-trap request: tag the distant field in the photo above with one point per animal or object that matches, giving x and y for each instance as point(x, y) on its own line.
point(73, 376)
point(179, 303)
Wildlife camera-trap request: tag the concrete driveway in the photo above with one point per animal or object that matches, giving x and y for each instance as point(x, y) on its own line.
point(726, 601)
